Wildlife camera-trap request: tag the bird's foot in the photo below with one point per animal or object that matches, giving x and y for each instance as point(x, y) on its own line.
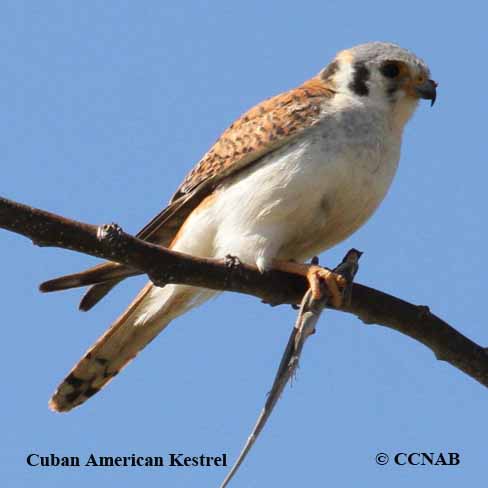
point(334, 282)
point(232, 261)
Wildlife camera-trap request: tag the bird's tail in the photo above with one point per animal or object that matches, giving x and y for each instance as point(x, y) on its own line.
point(103, 277)
point(149, 313)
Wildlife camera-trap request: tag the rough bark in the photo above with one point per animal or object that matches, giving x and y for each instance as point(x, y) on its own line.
point(165, 266)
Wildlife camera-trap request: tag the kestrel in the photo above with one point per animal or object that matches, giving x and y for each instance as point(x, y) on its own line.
point(287, 180)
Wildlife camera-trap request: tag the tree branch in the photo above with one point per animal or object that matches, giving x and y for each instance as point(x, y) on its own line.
point(165, 266)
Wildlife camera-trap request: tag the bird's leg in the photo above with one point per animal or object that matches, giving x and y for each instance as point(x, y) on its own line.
point(314, 274)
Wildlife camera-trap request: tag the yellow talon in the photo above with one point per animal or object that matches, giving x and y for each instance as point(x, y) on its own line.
point(335, 283)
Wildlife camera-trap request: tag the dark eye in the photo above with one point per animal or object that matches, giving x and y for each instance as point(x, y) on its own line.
point(390, 69)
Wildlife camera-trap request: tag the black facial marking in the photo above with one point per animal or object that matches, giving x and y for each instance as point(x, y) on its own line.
point(73, 381)
point(360, 77)
point(330, 70)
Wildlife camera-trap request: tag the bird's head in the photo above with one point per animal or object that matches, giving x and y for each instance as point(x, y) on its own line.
point(382, 73)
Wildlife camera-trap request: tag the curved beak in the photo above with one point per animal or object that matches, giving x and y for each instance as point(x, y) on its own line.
point(427, 90)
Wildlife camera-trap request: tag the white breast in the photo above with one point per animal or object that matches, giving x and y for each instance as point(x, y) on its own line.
point(301, 199)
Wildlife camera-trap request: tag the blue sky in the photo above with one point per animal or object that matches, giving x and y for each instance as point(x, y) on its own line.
point(105, 107)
